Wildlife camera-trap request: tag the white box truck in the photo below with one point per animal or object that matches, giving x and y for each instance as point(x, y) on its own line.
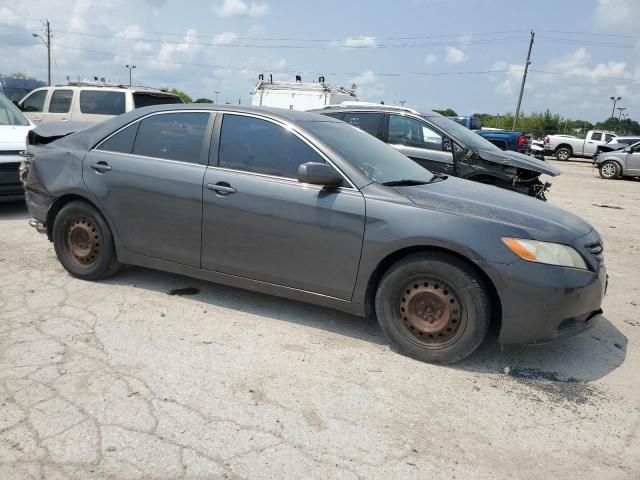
point(298, 95)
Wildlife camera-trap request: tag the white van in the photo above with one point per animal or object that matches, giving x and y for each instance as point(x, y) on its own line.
point(298, 95)
point(89, 103)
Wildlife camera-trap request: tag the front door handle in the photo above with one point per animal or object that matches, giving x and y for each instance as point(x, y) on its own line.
point(100, 167)
point(221, 188)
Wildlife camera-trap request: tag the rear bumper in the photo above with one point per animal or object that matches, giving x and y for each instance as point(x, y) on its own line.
point(38, 205)
point(542, 303)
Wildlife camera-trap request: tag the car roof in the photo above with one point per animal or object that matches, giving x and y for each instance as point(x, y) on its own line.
point(91, 136)
point(369, 107)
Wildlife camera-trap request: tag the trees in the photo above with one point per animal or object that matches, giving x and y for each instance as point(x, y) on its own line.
point(449, 112)
point(203, 100)
point(184, 96)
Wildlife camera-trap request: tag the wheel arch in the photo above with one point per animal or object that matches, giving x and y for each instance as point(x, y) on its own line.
point(60, 202)
point(564, 145)
point(392, 258)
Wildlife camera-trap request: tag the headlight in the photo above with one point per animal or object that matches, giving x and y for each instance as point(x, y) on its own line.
point(545, 252)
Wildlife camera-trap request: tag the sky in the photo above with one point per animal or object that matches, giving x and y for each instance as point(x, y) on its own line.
point(465, 54)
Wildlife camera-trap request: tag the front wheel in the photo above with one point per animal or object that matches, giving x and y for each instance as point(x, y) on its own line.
point(83, 242)
point(433, 307)
point(609, 170)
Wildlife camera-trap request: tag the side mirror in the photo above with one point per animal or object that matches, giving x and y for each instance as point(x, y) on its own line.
point(627, 149)
point(447, 146)
point(319, 174)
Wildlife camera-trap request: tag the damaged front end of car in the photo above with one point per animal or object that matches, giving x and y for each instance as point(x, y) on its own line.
point(508, 170)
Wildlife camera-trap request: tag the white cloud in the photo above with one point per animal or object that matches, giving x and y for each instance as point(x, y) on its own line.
point(170, 55)
point(430, 59)
point(368, 86)
point(240, 8)
point(8, 16)
point(361, 41)
point(132, 32)
point(455, 55)
point(226, 38)
point(618, 14)
point(512, 78)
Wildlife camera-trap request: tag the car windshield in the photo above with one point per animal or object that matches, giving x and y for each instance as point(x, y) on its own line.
point(375, 159)
point(467, 137)
point(10, 115)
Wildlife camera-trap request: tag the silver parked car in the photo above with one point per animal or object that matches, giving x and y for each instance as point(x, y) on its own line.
point(619, 163)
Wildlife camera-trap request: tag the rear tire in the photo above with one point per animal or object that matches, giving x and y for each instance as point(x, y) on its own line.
point(563, 154)
point(433, 307)
point(83, 242)
point(609, 170)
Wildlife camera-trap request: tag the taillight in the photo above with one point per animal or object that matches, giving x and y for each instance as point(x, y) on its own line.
point(522, 140)
point(546, 139)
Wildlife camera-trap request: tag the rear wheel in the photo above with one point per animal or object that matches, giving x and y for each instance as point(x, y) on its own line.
point(433, 307)
point(83, 242)
point(563, 154)
point(609, 170)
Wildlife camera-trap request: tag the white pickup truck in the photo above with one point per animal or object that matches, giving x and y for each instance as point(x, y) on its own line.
point(565, 146)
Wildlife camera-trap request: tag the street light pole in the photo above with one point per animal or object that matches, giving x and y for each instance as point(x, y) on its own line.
point(615, 100)
point(216, 96)
point(620, 110)
point(130, 67)
point(47, 43)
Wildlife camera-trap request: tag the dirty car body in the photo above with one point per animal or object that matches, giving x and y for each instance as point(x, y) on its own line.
point(330, 236)
point(442, 145)
point(624, 162)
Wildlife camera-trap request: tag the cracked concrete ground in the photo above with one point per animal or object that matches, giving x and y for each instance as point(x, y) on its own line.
point(117, 379)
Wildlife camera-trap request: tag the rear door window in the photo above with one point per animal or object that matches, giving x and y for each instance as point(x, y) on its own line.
point(172, 136)
point(608, 137)
point(369, 122)
point(121, 142)
point(100, 102)
point(61, 101)
point(35, 102)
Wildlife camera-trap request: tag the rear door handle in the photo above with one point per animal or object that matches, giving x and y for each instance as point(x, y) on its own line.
point(221, 188)
point(100, 167)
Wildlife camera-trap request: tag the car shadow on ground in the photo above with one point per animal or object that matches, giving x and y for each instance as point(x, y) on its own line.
point(583, 358)
point(246, 301)
point(14, 211)
point(586, 357)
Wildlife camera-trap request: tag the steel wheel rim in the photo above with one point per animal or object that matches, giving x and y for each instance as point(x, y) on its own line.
point(431, 312)
point(83, 241)
point(564, 155)
point(608, 170)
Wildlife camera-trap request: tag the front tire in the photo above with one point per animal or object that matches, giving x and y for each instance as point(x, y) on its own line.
point(609, 170)
point(83, 242)
point(433, 307)
point(563, 154)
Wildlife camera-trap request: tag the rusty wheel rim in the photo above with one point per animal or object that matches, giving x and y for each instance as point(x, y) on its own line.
point(432, 312)
point(83, 241)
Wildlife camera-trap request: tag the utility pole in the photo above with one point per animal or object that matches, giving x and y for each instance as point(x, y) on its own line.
point(47, 43)
point(620, 110)
point(524, 79)
point(216, 96)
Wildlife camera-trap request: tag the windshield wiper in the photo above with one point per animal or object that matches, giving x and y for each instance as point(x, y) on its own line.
point(404, 183)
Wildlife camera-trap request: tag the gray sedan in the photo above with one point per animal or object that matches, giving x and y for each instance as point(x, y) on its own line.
point(308, 207)
point(619, 163)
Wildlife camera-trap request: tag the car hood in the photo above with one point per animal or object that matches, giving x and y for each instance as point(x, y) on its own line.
point(518, 160)
point(464, 197)
point(13, 137)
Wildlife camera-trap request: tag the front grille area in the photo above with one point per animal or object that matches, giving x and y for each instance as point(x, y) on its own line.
point(596, 249)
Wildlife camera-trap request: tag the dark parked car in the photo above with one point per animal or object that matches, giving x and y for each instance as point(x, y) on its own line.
point(442, 145)
point(307, 207)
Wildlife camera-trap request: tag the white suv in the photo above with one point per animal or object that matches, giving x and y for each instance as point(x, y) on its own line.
point(89, 103)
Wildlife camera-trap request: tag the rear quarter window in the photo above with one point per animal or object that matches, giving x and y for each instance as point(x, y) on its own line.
point(148, 99)
point(96, 102)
